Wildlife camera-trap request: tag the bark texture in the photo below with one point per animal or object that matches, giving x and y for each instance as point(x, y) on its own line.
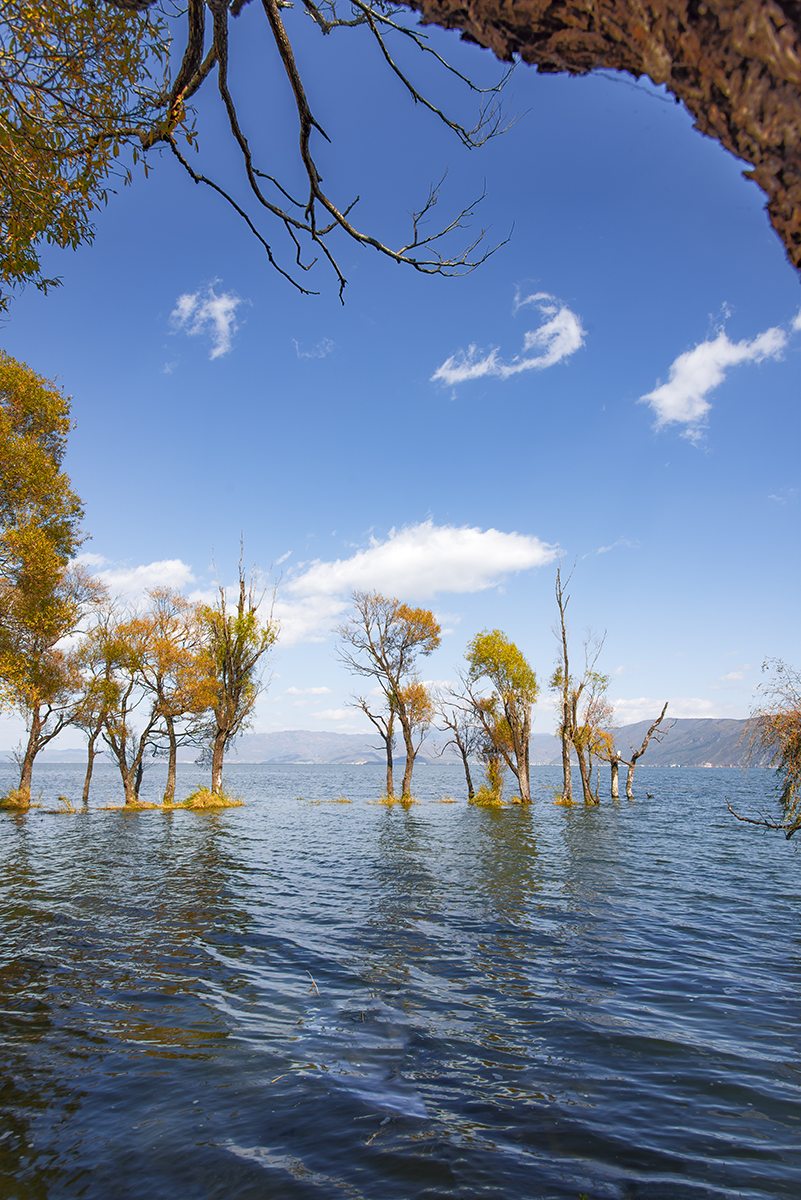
point(735, 64)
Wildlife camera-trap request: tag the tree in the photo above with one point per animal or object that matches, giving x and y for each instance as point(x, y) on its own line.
point(237, 641)
point(591, 717)
point(40, 675)
point(382, 640)
point(466, 735)
point(42, 597)
point(506, 719)
point(82, 81)
point(775, 729)
point(96, 688)
point(177, 671)
point(73, 78)
point(117, 647)
point(581, 708)
point(653, 732)
point(560, 681)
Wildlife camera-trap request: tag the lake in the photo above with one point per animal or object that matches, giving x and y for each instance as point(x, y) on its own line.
point(301, 999)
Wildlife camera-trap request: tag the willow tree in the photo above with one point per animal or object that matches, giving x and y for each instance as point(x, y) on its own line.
point(88, 85)
point(42, 597)
point(237, 640)
point(505, 716)
point(383, 640)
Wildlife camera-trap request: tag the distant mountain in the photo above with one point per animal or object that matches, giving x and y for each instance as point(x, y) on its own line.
point(690, 742)
point(696, 742)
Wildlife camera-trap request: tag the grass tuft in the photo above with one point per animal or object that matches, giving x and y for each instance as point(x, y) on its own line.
point(204, 797)
point(16, 799)
point(485, 798)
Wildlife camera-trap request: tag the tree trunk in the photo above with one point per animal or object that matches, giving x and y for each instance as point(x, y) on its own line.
point(468, 777)
point(586, 782)
point(567, 770)
point(129, 784)
point(26, 769)
point(630, 780)
point(91, 754)
point(406, 788)
point(169, 791)
point(218, 753)
point(615, 779)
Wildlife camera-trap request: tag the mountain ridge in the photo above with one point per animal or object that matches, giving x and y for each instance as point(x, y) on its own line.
point(687, 742)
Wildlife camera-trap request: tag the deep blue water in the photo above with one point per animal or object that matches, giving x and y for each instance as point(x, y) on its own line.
point(297, 999)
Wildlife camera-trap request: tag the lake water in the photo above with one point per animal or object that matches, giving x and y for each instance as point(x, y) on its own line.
point(297, 1000)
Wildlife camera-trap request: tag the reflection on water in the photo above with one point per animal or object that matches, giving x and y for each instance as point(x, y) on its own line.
point(302, 1001)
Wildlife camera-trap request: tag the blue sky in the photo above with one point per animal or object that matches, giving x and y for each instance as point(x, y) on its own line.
point(630, 399)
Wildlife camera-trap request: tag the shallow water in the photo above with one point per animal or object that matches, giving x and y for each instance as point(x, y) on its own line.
point(297, 999)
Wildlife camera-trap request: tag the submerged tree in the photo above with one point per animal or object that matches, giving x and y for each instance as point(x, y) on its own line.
point(466, 735)
point(654, 732)
point(382, 640)
point(236, 640)
point(178, 672)
point(42, 597)
point(505, 715)
point(774, 731)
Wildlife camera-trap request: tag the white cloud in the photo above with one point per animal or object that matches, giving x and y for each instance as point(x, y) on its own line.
point(646, 708)
point(205, 313)
point(334, 714)
point(694, 374)
point(130, 583)
point(315, 691)
point(422, 560)
point(560, 335)
point(322, 348)
point(796, 325)
point(415, 563)
point(732, 677)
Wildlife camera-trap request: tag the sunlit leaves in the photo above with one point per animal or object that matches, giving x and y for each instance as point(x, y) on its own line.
point(76, 81)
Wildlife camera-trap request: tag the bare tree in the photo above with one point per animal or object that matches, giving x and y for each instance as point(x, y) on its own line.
point(466, 734)
point(560, 681)
point(653, 732)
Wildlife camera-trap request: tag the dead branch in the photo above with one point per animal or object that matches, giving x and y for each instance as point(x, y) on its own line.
point(787, 828)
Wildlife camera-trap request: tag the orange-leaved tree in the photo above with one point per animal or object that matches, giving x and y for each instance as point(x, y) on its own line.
point(43, 597)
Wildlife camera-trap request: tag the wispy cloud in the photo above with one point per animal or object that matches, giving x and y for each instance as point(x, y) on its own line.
point(416, 562)
point(644, 708)
point(621, 541)
point(560, 335)
point(205, 313)
point(322, 348)
point(312, 691)
point(694, 374)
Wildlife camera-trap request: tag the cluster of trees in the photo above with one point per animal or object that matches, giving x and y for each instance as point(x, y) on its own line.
point(175, 673)
point(488, 713)
point(139, 682)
